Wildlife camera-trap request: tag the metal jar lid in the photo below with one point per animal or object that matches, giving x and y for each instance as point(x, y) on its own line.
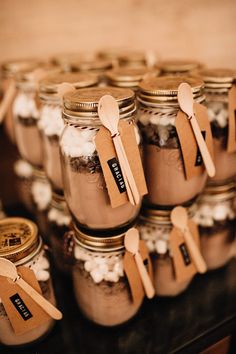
point(11, 68)
point(171, 67)
point(219, 193)
point(102, 244)
point(18, 238)
point(218, 79)
point(132, 59)
point(49, 86)
point(129, 77)
point(95, 65)
point(164, 90)
point(84, 102)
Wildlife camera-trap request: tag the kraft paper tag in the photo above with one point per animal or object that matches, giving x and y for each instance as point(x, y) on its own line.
point(110, 164)
point(231, 144)
point(24, 314)
point(132, 273)
point(9, 94)
point(193, 162)
point(184, 267)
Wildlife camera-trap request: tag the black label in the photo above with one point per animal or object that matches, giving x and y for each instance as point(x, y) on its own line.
point(185, 253)
point(199, 159)
point(21, 307)
point(117, 174)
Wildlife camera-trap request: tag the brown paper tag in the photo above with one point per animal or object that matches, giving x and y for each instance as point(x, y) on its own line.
point(24, 314)
point(9, 94)
point(110, 164)
point(193, 162)
point(132, 273)
point(231, 145)
point(183, 265)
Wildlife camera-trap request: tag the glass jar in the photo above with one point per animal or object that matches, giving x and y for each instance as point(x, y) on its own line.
point(100, 285)
point(28, 251)
point(163, 162)
point(85, 189)
point(216, 218)
point(9, 72)
point(59, 220)
point(155, 227)
point(218, 82)
point(178, 67)
point(24, 178)
point(51, 123)
point(128, 77)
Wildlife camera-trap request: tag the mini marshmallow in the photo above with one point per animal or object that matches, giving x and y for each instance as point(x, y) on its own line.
point(144, 118)
point(161, 246)
point(100, 260)
point(59, 217)
point(24, 105)
point(23, 169)
point(96, 275)
point(103, 268)
point(119, 269)
point(89, 266)
point(42, 193)
point(88, 149)
point(150, 245)
point(111, 276)
point(42, 275)
point(220, 212)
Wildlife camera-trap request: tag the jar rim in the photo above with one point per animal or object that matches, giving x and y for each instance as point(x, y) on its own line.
point(18, 238)
point(178, 65)
point(218, 78)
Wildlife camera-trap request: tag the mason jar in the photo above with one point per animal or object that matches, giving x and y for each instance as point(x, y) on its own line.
point(129, 77)
point(179, 67)
point(59, 220)
point(21, 244)
point(218, 82)
point(100, 285)
point(9, 72)
point(84, 185)
point(155, 227)
point(163, 162)
point(216, 218)
point(51, 123)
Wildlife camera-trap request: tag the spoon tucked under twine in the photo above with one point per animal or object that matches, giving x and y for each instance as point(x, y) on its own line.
point(185, 99)
point(108, 111)
point(9, 270)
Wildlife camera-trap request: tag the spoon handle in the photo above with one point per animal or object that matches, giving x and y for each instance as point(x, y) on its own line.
point(195, 252)
point(210, 167)
point(6, 100)
point(128, 172)
point(40, 300)
point(147, 284)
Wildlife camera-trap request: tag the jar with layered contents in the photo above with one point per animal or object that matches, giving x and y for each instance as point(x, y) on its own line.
point(129, 77)
point(179, 67)
point(21, 244)
point(9, 71)
point(85, 189)
point(218, 83)
point(155, 227)
point(216, 218)
point(163, 161)
point(100, 285)
point(51, 123)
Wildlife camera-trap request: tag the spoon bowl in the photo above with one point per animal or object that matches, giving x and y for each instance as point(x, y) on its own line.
point(7, 269)
point(185, 99)
point(179, 217)
point(132, 240)
point(108, 111)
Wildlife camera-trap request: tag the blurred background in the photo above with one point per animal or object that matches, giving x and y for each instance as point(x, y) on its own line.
point(199, 29)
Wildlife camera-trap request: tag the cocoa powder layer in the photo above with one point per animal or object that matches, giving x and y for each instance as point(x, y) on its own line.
point(7, 335)
point(106, 303)
point(29, 141)
point(88, 200)
point(164, 279)
point(166, 179)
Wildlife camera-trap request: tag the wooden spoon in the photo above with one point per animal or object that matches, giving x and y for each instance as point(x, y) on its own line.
point(185, 98)
point(132, 245)
point(108, 112)
point(8, 269)
point(179, 219)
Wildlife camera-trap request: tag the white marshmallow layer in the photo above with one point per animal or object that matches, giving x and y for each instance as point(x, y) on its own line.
point(207, 214)
point(24, 106)
point(23, 169)
point(156, 238)
point(101, 266)
point(217, 111)
point(59, 217)
point(42, 193)
point(149, 117)
point(51, 122)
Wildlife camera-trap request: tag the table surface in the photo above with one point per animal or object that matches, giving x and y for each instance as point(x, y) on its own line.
point(188, 323)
